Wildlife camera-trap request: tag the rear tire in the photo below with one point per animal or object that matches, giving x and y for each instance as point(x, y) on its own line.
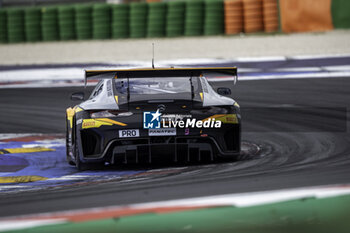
point(85, 166)
point(78, 163)
point(68, 147)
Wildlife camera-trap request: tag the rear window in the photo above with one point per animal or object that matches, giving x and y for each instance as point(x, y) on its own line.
point(154, 86)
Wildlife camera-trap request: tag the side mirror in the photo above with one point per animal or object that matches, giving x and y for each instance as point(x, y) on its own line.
point(224, 91)
point(77, 96)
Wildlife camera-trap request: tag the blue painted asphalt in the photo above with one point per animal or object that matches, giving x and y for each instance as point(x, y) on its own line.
point(9, 163)
point(51, 165)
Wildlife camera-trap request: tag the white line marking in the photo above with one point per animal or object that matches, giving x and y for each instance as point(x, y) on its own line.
point(250, 199)
point(63, 77)
point(337, 68)
point(3, 187)
point(42, 74)
point(24, 224)
point(69, 177)
point(297, 69)
point(294, 76)
point(132, 180)
point(47, 145)
point(314, 69)
point(302, 57)
point(15, 135)
point(260, 59)
point(167, 169)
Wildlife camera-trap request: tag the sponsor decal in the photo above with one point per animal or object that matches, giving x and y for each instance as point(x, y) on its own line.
point(88, 123)
point(98, 122)
point(162, 132)
point(175, 117)
point(151, 120)
point(129, 133)
point(227, 118)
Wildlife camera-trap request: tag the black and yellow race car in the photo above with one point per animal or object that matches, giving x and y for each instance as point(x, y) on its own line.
point(149, 115)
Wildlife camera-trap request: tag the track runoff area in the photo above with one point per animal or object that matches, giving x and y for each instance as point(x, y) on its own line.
point(35, 163)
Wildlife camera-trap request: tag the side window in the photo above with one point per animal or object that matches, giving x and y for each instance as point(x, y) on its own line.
point(99, 90)
point(96, 91)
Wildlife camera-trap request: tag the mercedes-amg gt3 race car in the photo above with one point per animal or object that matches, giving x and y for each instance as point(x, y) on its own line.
point(148, 115)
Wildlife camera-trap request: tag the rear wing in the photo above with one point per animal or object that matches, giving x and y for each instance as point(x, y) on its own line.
point(168, 72)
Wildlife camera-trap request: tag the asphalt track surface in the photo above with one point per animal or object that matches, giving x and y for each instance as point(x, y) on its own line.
point(299, 125)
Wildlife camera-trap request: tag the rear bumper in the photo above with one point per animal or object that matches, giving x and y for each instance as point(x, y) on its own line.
point(148, 149)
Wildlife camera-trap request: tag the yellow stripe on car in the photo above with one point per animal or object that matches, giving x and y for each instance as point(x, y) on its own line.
point(78, 109)
point(70, 115)
point(111, 121)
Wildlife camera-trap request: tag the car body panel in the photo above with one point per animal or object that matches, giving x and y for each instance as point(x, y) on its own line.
point(119, 136)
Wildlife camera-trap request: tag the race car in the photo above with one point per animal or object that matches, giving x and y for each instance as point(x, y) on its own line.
point(151, 115)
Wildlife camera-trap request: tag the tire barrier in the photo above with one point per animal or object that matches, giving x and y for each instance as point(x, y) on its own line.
point(233, 16)
point(270, 13)
point(120, 21)
point(340, 13)
point(32, 24)
point(175, 19)
point(138, 20)
point(15, 25)
point(306, 15)
point(156, 19)
point(49, 24)
point(171, 19)
point(253, 16)
point(101, 21)
point(83, 22)
point(3, 26)
point(66, 22)
point(194, 18)
point(213, 17)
